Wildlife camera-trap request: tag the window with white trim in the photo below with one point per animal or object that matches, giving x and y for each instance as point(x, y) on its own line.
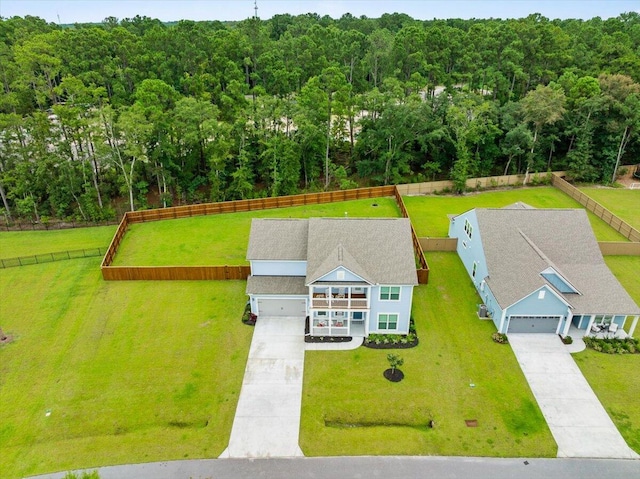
point(389, 293)
point(388, 321)
point(468, 228)
point(541, 294)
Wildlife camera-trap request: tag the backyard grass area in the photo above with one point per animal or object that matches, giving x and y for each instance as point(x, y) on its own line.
point(621, 202)
point(223, 239)
point(25, 243)
point(627, 270)
point(129, 371)
point(349, 408)
point(429, 213)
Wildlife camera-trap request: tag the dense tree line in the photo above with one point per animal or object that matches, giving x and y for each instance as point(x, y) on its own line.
point(197, 111)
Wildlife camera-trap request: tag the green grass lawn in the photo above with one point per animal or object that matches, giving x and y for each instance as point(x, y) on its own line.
point(621, 202)
point(627, 270)
point(455, 350)
point(223, 239)
point(25, 243)
point(130, 371)
point(429, 213)
point(616, 378)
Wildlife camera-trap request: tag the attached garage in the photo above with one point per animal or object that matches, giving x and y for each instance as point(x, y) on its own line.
point(533, 324)
point(282, 307)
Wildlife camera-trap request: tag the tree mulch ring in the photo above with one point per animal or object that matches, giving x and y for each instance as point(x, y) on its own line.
point(471, 422)
point(395, 376)
point(6, 339)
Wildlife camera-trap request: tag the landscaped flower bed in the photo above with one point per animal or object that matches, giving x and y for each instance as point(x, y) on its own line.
point(613, 346)
point(248, 317)
point(393, 341)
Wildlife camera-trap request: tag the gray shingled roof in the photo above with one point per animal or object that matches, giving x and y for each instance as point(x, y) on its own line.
point(278, 239)
point(276, 285)
point(521, 243)
point(379, 250)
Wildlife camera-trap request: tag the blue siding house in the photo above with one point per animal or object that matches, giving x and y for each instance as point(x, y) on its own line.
point(541, 271)
point(351, 277)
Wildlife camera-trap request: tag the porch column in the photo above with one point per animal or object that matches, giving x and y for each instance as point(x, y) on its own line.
point(592, 318)
point(502, 318)
point(568, 323)
point(633, 325)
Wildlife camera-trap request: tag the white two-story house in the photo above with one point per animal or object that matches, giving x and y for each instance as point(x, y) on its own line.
point(350, 276)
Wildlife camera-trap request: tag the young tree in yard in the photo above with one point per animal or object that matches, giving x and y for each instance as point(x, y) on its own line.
point(394, 374)
point(542, 106)
point(395, 362)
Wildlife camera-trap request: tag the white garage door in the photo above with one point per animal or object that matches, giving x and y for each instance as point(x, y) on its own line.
point(533, 324)
point(282, 307)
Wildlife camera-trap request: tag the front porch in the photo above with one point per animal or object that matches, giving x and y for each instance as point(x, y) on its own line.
point(337, 323)
point(603, 326)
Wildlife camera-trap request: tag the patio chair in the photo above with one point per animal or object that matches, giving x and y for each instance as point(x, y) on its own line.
point(613, 327)
point(595, 328)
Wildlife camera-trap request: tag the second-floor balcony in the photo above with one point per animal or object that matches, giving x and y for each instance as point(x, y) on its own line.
point(345, 297)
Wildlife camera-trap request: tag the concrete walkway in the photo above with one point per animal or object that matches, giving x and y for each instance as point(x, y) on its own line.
point(267, 420)
point(578, 422)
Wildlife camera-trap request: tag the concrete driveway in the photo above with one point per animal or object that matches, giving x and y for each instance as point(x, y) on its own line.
point(267, 420)
point(577, 419)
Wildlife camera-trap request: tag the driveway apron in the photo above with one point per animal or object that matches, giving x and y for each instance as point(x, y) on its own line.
point(576, 418)
point(267, 420)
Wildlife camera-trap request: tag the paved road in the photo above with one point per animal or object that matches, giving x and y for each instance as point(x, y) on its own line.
point(376, 467)
point(578, 421)
point(267, 420)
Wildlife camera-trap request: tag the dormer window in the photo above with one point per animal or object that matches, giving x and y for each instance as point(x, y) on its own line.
point(558, 281)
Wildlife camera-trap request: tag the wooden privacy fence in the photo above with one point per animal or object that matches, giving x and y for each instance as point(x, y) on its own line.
point(175, 273)
point(472, 183)
point(619, 248)
point(438, 244)
point(50, 257)
point(238, 206)
point(423, 270)
point(624, 228)
point(120, 273)
point(115, 243)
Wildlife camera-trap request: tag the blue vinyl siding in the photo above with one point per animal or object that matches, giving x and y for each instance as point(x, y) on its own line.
point(532, 306)
point(402, 307)
point(279, 268)
point(470, 251)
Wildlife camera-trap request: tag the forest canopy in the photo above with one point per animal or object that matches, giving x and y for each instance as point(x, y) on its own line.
point(135, 113)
